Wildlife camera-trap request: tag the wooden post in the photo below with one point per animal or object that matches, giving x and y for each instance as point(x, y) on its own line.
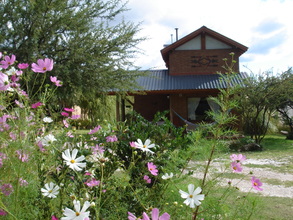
point(123, 109)
point(118, 117)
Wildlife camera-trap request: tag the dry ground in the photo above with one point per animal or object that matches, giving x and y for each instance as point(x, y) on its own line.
point(264, 174)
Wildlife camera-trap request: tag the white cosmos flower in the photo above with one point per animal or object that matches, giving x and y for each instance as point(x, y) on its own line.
point(71, 160)
point(51, 190)
point(144, 146)
point(77, 213)
point(192, 197)
point(47, 120)
point(47, 140)
point(167, 176)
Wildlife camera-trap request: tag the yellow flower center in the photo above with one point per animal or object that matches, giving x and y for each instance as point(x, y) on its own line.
point(144, 146)
point(50, 190)
point(44, 68)
point(77, 213)
point(72, 161)
point(255, 184)
point(190, 196)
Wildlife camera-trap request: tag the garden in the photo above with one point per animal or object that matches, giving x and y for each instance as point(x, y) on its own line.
point(134, 169)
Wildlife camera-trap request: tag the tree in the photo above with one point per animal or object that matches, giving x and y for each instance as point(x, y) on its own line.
point(286, 106)
point(259, 99)
point(91, 45)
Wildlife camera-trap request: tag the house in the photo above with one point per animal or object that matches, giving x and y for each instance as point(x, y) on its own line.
point(190, 77)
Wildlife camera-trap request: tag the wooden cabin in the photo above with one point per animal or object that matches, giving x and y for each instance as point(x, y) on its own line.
point(190, 77)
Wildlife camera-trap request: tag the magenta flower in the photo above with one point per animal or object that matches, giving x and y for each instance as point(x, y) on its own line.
point(256, 183)
point(111, 138)
point(236, 167)
point(55, 81)
point(7, 61)
point(153, 169)
point(54, 217)
point(65, 114)
point(147, 179)
point(96, 129)
point(23, 65)
point(238, 158)
point(6, 189)
point(36, 105)
point(2, 212)
point(43, 65)
point(155, 215)
point(69, 109)
point(4, 82)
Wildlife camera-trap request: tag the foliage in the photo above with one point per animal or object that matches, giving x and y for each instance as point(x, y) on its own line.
point(92, 46)
point(284, 109)
point(259, 99)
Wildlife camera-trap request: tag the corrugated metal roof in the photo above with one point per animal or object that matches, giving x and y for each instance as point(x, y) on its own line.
point(160, 80)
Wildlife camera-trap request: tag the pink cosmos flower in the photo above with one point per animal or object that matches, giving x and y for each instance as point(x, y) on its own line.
point(7, 61)
point(12, 136)
point(20, 104)
point(22, 156)
point(152, 168)
point(98, 149)
point(256, 183)
point(93, 183)
point(36, 105)
point(155, 215)
point(75, 117)
point(65, 114)
point(69, 109)
point(69, 134)
point(111, 138)
point(43, 65)
point(65, 123)
point(23, 65)
point(132, 144)
point(147, 179)
point(6, 189)
point(54, 80)
point(96, 129)
point(132, 217)
point(4, 82)
point(22, 182)
point(238, 158)
point(54, 217)
point(236, 167)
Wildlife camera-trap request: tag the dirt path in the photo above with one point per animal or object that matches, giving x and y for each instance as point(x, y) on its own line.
point(264, 174)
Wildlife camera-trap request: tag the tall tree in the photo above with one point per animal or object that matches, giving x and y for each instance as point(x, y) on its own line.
point(91, 44)
point(259, 100)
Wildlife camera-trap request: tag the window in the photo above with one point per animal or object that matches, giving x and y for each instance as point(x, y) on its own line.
point(197, 108)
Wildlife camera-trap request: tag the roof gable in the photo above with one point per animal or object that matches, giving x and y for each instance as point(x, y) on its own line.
point(213, 40)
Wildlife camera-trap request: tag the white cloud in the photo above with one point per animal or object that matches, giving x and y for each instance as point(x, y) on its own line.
point(264, 26)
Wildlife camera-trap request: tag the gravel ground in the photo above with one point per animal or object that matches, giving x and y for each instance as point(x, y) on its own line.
point(263, 174)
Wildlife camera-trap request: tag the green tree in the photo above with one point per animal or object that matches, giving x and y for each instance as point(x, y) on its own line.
point(259, 99)
point(90, 42)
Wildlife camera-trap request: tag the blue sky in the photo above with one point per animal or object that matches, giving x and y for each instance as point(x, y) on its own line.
point(264, 26)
